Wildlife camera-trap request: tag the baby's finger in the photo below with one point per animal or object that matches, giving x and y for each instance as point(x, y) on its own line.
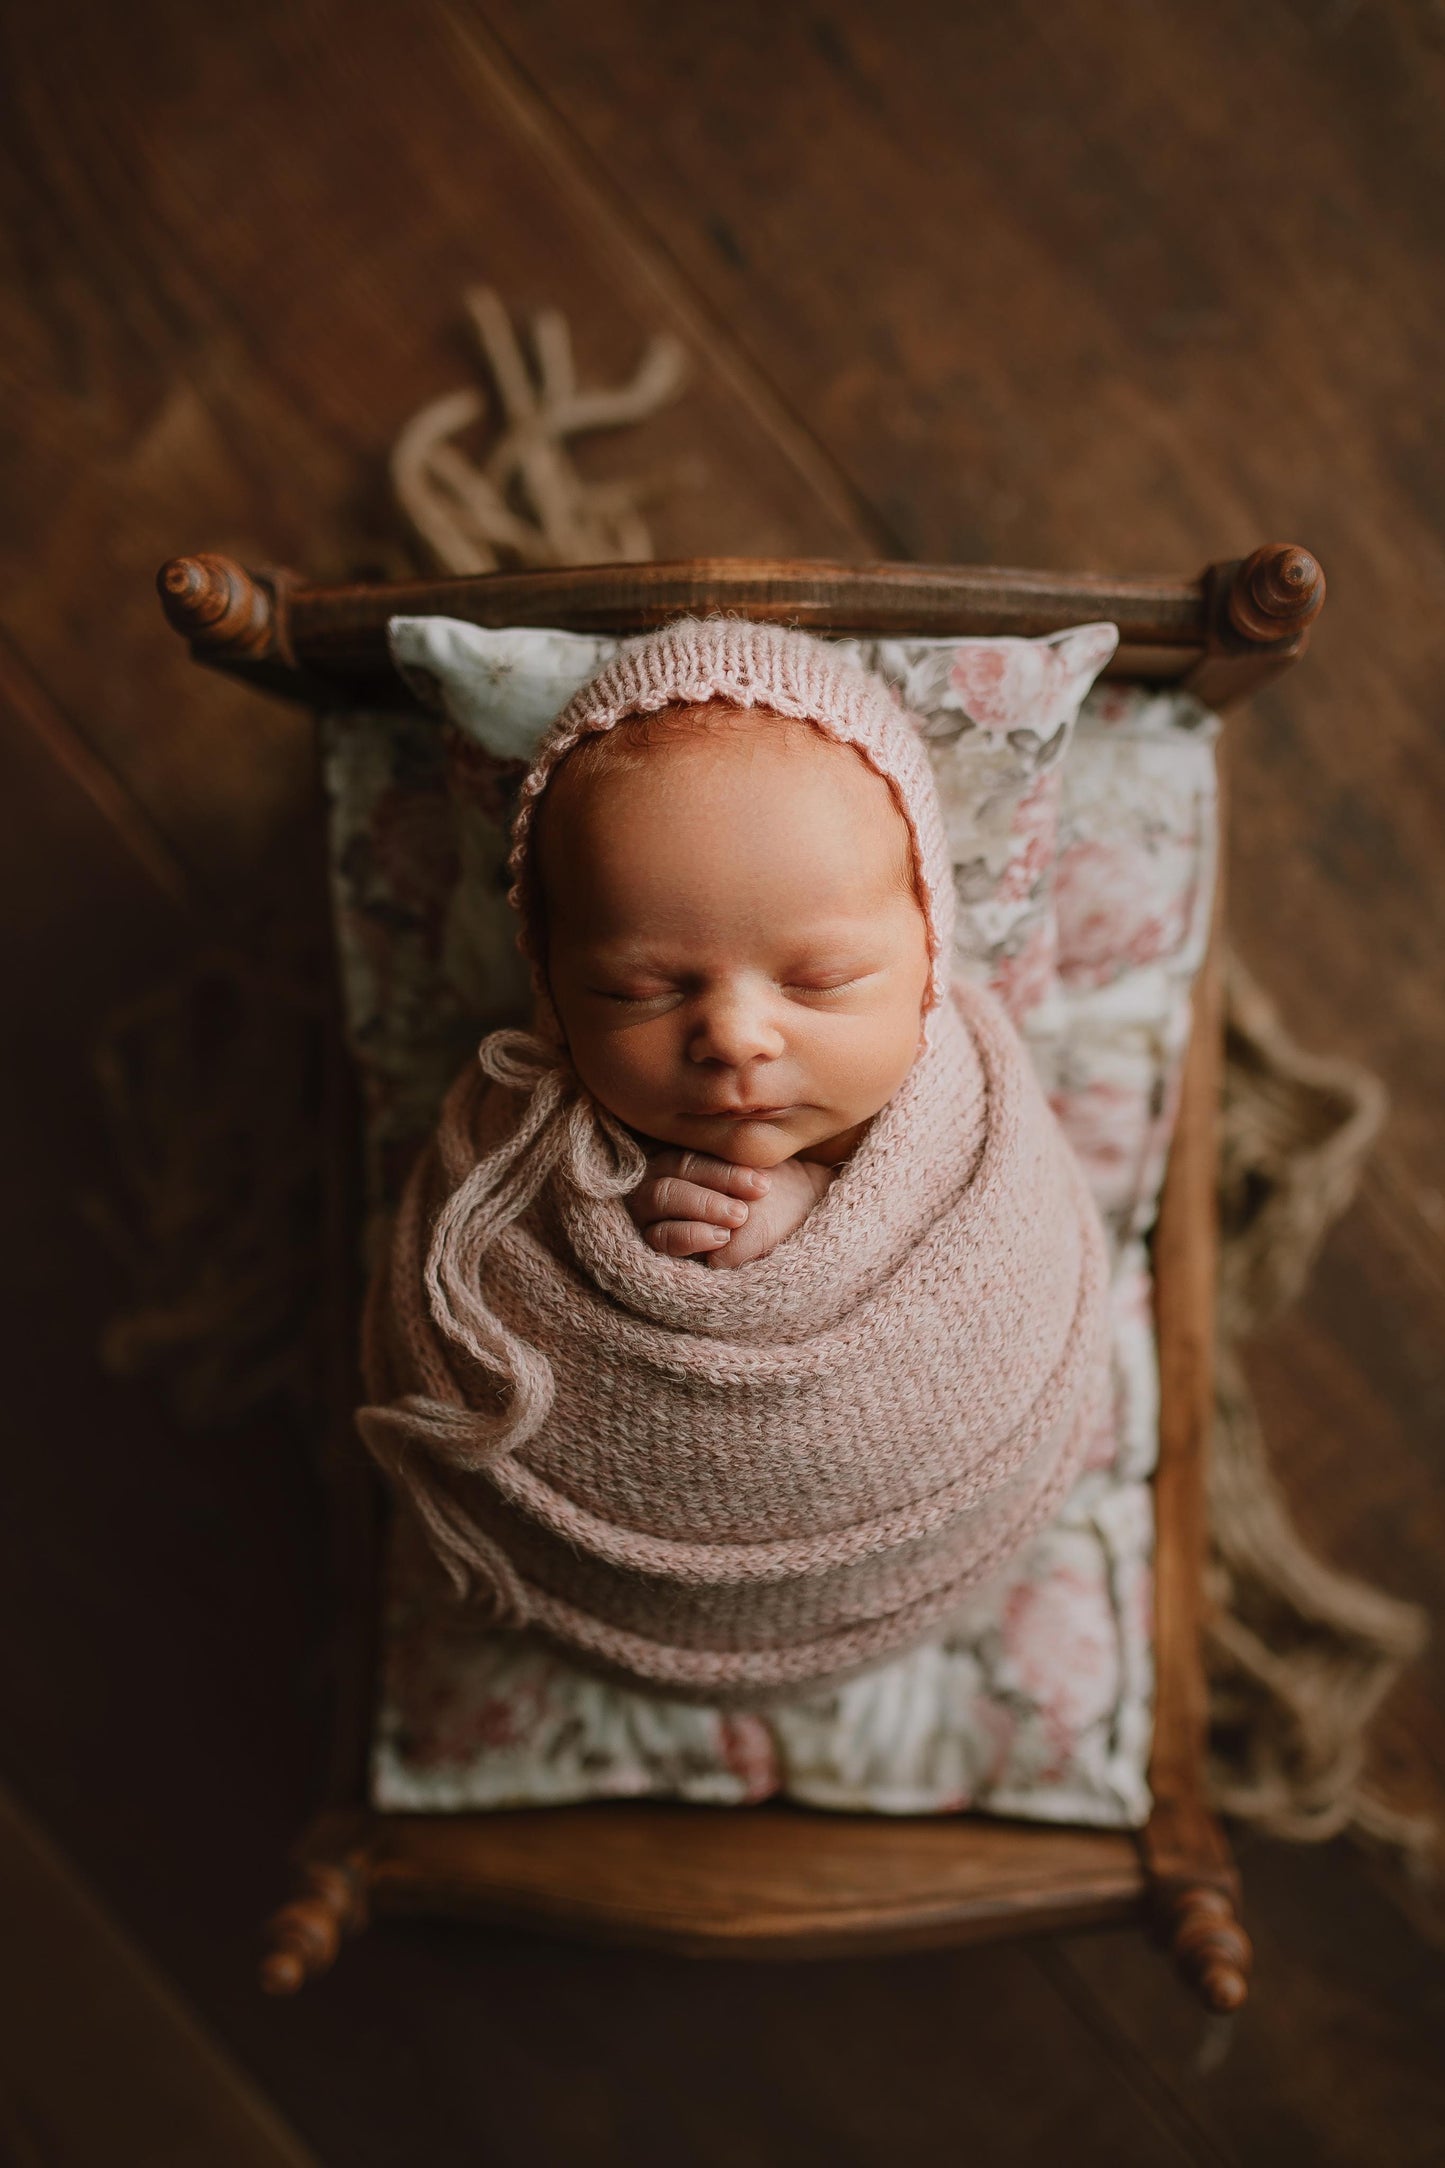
point(684, 1238)
point(710, 1173)
point(667, 1197)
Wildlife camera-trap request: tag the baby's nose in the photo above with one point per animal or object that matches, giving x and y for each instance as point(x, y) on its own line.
point(735, 1031)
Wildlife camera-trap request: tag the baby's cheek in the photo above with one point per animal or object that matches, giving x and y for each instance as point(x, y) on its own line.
point(860, 1071)
point(626, 1072)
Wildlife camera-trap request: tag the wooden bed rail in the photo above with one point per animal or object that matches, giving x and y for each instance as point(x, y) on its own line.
point(1238, 624)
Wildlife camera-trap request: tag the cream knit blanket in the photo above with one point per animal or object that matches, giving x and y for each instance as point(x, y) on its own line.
point(723, 1483)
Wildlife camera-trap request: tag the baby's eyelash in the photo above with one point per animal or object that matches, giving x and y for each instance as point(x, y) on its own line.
point(788, 986)
point(834, 986)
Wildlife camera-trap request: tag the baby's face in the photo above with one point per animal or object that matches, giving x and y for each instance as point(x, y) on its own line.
point(734, 947)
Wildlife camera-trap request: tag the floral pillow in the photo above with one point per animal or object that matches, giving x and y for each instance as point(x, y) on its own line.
point(997, 714)
point(1133, 896)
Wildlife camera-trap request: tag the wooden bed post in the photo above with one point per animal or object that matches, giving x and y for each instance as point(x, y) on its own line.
point(1194, 1886)
point(238, 621)
point(304, 1937)
point(1258, 611)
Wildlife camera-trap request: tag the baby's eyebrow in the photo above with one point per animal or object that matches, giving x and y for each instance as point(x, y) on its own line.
point(630, 964)
point(824, 955)
point(856, 939)
point(623, 955)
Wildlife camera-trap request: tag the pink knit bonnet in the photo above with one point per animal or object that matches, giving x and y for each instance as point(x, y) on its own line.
point(768, 667)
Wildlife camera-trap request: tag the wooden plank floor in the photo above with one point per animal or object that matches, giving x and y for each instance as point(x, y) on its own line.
point(75, 1995)
point(1084, 284)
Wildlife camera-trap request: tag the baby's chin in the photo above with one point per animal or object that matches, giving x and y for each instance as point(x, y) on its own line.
point(759, 1144)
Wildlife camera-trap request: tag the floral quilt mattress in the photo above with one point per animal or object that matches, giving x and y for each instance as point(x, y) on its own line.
point(1085, 844)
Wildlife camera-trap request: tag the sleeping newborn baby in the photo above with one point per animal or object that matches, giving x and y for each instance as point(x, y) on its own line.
point(736, 899)
point(738, 957)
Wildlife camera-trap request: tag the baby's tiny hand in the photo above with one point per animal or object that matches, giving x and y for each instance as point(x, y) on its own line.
point(688, 1204)
point(794, 1187)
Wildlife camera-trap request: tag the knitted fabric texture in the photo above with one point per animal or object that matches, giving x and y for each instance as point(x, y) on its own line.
point(731, 1483)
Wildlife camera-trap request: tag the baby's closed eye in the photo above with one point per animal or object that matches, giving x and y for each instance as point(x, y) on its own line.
point(633, 996)
point(827, 982)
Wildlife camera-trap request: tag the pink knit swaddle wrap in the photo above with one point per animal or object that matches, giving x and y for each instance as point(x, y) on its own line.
point(729, 1483)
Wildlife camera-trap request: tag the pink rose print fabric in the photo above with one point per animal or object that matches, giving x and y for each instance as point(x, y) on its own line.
point(1133, 891)
point(999, 716)
point(1084, 848)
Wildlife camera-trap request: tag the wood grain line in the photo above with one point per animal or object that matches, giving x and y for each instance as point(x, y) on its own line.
point(1387, 1188)
point(1138, 2071)
point(22, 693)
point(100, 2060)
point(599, 202)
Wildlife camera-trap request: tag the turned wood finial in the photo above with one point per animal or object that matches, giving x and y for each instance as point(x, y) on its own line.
point(1210, 1948)
point(305, 1935)
point(1276, 593)
point(218, 605)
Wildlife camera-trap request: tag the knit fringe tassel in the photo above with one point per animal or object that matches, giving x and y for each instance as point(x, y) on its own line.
point(1301, 1655)
point(525, 502)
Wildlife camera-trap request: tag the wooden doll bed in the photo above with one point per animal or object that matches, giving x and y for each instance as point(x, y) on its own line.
point(778, 1880)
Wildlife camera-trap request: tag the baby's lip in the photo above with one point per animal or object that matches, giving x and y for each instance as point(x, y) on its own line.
point(747, 1114)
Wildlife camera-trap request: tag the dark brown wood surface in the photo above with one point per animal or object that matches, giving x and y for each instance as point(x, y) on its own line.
point(1093, 285)
point(151, 2073)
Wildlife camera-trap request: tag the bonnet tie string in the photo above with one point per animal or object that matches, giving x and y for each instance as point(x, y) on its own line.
point(562, 1134)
